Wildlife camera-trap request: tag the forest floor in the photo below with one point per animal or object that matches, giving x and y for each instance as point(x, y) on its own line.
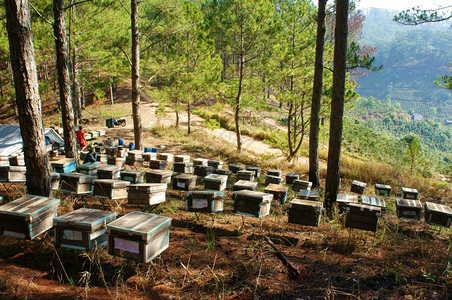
point(225, 255)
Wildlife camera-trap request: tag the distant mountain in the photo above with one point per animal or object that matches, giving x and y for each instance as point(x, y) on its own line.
point(412, 57)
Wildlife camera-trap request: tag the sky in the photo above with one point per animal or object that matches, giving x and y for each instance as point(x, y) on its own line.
point(400, 5)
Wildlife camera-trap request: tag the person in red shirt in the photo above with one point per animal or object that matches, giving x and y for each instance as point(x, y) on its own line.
point(81, 138)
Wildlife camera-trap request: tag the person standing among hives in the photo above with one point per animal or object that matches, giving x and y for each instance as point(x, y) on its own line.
point(81, 138)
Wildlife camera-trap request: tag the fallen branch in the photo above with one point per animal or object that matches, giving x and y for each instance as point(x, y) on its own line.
point(293, 272)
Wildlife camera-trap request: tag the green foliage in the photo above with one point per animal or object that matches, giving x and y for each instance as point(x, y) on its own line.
point(212, 124)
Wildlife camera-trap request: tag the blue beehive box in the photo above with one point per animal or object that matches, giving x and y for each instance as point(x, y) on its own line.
point(204, 201)
point(252, 203)
point(64, 165)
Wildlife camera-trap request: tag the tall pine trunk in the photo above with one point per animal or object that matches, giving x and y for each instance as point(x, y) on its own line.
point(76, 93)
point(237, 106)
point(64, 82)
point(316, 97)
point(137, 129)
point(337, 104)
point(23, 63)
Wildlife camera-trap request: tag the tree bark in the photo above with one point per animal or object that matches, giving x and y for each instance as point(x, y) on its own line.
point(189, 117)
point(64, 82)
point(239, 96)
point(314, 176)
point(28, 100)
point(137, 128)
point(337, 104)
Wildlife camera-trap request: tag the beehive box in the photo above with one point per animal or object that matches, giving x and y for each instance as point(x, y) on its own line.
point(88, 136)
point(83, 155)
point(166, 157)
point(102, 158)
point(147, 156)
point(134, 154)
point(222, 172)
point(204, 201)
point(146, 193)
point(357, 187)
point(215, 164)
point(202, 171)
point(110, 188)
point(183, 167)
point(158, 164)
point(138, 236)
point(256, 170)
point(4, 161)
point(182, 158)
point(305, 212)
point(274, 172)
point(100, 149)
point(17, 160)
point(291, 177)
point(342, 200)
point(82, 229)
point(382, 190)
point(215, 182)
point(409, 193)
point(116, 161)
point(437, 214)
point(245, 185)
point(408, 209)
point(159, 176)
point(299, 184)
point(185, 182)
point(101, 132)
point(135, 162)
point(200, 162)
point(361, 216)
point(88, 168)
point(246, 175)
point(133, 176)
point(109, 172)
point(94, 134)
point(273, 179)
point(64, 165)
point(54, 180)
point(120, 152)
point(278, 191)
point(235, 168)
point(28, 216)
point(252, 203)
point(76, 183)
point(12, 174)
point(373, 201)
point(309, 195)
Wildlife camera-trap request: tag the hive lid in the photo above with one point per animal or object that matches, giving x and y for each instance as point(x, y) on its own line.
point(82, 178)
point(438, 208)
point(109, 168)
point(305, 203)
point(112, 182)
point(272, 187)
point(373, 201)
point(88, 218)
point(382, 186)
point(409, 190)
point(216, 177)
point(204, 194)
point(308, 194)
point(265, 197)
point(159, 172)
point(89, 166)
point(28, 205)
point(148, 187)
point(408, 203)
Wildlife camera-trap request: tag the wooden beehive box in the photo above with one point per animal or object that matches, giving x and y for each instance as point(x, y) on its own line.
point(4, 161)
point(215, 164)
point(88, 168)
point(28, 216)
point(205, 201)
point(133, 176)
point(109, 172)
point(146, 193)
point(202, 171)
point(54, 180)
point(158, 164)
point(110, 188)
point(102, 158)
point(183, 167)
point(256, 170)
point(437, 214)
point(100, 149)
point(94, 134)
point(342, 200)
point(120, 151)
point(215, 182)
point(274, 172)
point(291, 177)
point(409, 193)
point(357, 187)
point(382, 190)
point(76, 183)
point(200, 162)
point(245, 175)
point(134, 154)
point(83, 155)
point(299, 184)
point(362, 216)
point(17, 160)
point(116, 161)
point(222, 172)
point(408, 209)
point(184, 182)
point(82, 229)
point(245, 185)
point(148, 156)
point(273, 179)
point(182, 158)
point(135, 162)
point(252, 203)
point(159, 176)
point(309, 195)
point(166, 157)
point(64, 165)
point(235, 168)
point(278, 191)
point(305, 212)
point(12, 174)
point(138, 236)
point(88, 136)
point(373, 201)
